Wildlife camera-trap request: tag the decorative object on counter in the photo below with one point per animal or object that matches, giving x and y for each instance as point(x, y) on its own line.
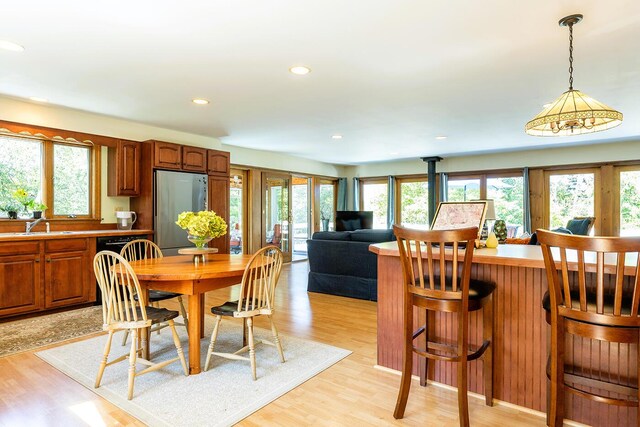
point(126, 219)
point(202, 226)
point(500, 230)
point(24, 198)
point(573, 113)
point(325, 217)
point(492, 241)
point(11, 208)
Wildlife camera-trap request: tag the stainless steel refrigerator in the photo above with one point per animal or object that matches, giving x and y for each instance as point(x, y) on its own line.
point(176, 192)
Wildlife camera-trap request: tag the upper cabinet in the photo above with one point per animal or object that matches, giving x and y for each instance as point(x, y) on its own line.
point(218, 162)
point(167, 155)
point(124, 169)
point(194, 159)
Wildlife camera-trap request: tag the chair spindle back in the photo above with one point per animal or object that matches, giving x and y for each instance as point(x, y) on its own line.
point(118, 284)
point(573, 292)
point(140, 249)
point(418, 245)
point(260, 280)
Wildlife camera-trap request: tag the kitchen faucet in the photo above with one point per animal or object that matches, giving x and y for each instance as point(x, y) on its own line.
point(29, 225)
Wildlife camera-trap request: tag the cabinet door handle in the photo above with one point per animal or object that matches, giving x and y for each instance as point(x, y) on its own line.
point(37, 259)
point(48, 259)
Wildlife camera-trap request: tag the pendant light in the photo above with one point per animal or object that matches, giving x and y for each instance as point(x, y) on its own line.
point(573, 113)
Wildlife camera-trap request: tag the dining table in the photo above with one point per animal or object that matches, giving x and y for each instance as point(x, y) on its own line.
point(181, 275)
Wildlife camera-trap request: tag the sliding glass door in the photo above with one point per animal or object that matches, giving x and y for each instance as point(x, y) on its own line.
point(276, 212)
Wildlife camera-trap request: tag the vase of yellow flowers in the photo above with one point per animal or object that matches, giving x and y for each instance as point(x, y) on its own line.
point(202, 226)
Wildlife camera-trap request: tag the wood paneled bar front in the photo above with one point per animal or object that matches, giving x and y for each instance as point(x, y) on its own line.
point(520, 334)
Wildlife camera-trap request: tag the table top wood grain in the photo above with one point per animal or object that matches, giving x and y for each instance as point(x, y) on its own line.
point(181, 267)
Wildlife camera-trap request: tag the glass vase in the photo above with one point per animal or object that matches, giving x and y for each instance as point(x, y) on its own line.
point(199, 241)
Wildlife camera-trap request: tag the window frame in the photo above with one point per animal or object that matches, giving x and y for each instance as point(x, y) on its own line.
point(597, 194)
point(616, 223)
point(398, 195)
point(47, 171)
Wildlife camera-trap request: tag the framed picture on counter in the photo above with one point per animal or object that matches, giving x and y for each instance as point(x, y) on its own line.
point(452, 215)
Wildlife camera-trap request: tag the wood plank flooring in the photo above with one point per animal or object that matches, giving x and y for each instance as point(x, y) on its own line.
point(350, 393)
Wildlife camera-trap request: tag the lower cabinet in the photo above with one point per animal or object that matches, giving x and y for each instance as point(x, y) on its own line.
point(45, 274)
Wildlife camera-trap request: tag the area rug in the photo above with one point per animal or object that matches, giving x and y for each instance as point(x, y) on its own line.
point(221, 396)
point(27, 334)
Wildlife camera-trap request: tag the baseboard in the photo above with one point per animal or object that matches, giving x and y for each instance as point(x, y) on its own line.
point(497, 402)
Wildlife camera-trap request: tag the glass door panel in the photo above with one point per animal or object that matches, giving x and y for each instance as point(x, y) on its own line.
point(327, 203)
point(236, 212)
point(301, 215)
point(276, 211)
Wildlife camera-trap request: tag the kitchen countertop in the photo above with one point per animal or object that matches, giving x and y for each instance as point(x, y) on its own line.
point(21, 237)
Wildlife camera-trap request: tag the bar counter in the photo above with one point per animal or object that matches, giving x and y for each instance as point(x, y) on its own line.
point(520, 333)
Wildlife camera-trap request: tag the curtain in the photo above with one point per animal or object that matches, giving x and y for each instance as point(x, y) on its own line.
point(391, 201)
point(341, 198)
point(356, 193)
point(444, 183)
point(527, 200)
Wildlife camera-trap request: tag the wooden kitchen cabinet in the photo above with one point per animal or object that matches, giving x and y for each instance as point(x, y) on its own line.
point(20, 278)
point(194, 159)
point(124, 169)
point(219, 188)
point(218, 163)
point(66, 275)
point(167, 155)
point(43, 274)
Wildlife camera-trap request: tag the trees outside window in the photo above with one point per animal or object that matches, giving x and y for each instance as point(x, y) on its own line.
point(463, 190)
point(508, 198)
point(56, 174)
point(374, 197)
point(630, 203)
point(414, 203)
point(570, 195)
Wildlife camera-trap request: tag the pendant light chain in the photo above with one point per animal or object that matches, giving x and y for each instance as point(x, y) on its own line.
point(570, 56)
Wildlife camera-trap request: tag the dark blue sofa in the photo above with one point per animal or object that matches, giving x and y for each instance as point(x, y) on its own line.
point(340, 262)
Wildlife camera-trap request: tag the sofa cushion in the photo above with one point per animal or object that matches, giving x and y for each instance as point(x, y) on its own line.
point(351, 224)
point(373, 236)
point(579, 226)
point(332, 235)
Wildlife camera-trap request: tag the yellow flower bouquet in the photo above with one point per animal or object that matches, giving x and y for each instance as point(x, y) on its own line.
point(202, 226)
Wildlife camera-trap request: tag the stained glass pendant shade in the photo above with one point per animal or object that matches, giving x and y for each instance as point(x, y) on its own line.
point(573, 113)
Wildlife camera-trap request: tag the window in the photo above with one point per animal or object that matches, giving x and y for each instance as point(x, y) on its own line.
point(236, 211)
point(59, 175)
point(327, 204)
point(414, 203)
point(570, 195)
point(508, 198)
point(462, 190)
point(630, 203)
point(374, 197)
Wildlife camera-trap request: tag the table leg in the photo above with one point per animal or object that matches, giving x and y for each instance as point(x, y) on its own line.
point(202, 315)
point(196, 330)
point(146, 332)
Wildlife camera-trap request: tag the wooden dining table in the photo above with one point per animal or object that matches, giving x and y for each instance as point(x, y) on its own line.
point(179, 274)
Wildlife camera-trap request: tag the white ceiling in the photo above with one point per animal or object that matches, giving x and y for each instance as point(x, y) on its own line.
point(388, 75)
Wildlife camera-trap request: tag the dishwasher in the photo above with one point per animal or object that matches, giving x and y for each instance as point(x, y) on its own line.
point(111, 243)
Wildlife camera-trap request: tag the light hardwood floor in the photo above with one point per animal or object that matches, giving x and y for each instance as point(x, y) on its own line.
point(350, 393)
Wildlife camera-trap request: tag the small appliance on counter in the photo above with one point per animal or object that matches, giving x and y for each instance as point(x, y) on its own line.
point(126, 219)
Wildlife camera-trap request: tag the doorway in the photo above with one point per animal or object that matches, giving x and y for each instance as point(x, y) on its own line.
point(301, 216)
point(276, 212)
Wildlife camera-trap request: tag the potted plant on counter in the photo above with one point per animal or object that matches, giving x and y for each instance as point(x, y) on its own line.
point(11, 208)
point(37, 209)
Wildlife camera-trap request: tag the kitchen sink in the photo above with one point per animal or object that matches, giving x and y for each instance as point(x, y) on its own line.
point(37, 233)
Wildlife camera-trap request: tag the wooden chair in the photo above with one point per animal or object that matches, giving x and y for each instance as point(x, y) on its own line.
point(431, 289)
point(119, 284)
point(578, 303)
point(145, 249)
point(258, 297)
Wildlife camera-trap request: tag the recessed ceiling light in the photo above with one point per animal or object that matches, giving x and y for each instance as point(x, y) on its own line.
point(336, 136)
point(547, 105)
point(38, 99)
point(7, 45)
point(200, 101)
point(393, 153)
point(300, 70)
point(441, 137)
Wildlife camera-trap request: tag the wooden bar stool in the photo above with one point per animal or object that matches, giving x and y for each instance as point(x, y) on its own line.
point(434, 290)
point(579, 304)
